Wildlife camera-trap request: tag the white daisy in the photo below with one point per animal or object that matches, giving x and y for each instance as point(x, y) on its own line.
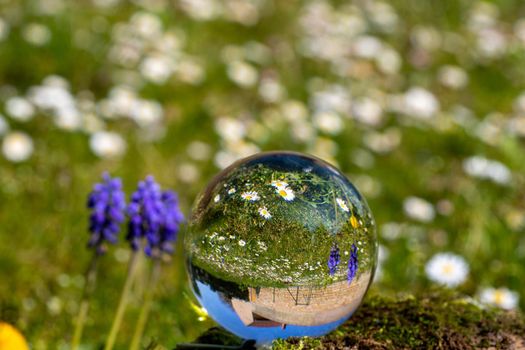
point(447, 269)
point(279, 184)
point(217, 198)
point(242, 243)
point(286, 193)
point(342, 204)
point(500, 297)
point(232, 190)
point(265, 213)
point(17, 146)
point(250, 196)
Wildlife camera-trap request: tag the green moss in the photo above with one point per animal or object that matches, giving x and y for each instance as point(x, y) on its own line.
point(440, 320)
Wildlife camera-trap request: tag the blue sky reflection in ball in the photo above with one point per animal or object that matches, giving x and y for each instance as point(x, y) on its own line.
point(280, 244)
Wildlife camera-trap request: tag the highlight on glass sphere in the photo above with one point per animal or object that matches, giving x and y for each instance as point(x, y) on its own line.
point(280, 244)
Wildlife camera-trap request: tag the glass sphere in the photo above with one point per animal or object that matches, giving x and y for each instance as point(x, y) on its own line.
point(280, 244)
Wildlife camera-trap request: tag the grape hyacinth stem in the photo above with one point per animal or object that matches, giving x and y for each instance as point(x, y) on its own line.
point(89, 287)
point(146, 306)
point(124, 298)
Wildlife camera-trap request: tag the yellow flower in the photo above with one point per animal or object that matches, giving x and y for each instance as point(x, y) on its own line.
point(354, 222)
point(202, 314)
point(11, 339)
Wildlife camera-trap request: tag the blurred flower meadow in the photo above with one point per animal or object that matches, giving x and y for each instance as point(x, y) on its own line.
point(420, 103)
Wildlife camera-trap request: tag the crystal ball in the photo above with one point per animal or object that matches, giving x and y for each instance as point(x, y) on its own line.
point(280, 244)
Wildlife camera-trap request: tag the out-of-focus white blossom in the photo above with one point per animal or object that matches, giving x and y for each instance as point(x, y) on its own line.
point(157, 68)
point(4, 126)
point(257, 52)
point(328, 122)
point(106, 3)
point(147, 113)
point(481, 167)
point(519, 104)
point(501, 297)
point(50, 7)
point(271, 90)
point(382, 255)
point(199, 150)
point(453, 77)
point(363, 158)
point(334, 98)
point(419, 209)
point(189, 71)
point(4, 29)
point(68, 119)
point(241, 11)
point(325, 148)
point(367, 111)
point(233, 152)
point(17, 146)
point(384, 142)
point(19, 109)
point(389, 61)
point(36, 34)
point(491, 42)
point(224, 159)
point(426, 38)
point(391, 231)
point(92, 123)
point(367, 47)
point(383, 15)
point(519, 30)
point(121, 102)
point(302, 131)
point(201, 10)
point(482, 15)
point(54, 305)
point(294, 111)
point(516, 125)
point(188, 173)
point(242, 73)
point(106, 144)
point(230, 129)
point(420, 103)
point(146, 25)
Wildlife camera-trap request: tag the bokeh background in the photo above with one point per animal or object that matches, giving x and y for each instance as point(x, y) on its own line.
point(420, 103)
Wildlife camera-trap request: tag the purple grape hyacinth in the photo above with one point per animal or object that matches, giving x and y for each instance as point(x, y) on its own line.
point(155, 216)
point(333, 260)
point(107, 203)
point(173, 217)
point(352, 264)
